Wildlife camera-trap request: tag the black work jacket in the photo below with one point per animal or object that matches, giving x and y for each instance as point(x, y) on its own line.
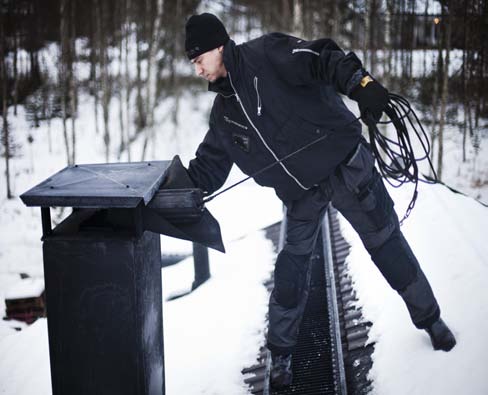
point(280, 94)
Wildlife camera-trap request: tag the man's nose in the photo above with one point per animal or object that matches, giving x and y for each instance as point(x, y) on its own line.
point(198, 70)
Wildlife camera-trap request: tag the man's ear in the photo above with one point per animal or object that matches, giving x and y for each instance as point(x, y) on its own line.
point(221, 49)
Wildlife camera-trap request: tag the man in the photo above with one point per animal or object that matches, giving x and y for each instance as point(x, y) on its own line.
point(275, 94)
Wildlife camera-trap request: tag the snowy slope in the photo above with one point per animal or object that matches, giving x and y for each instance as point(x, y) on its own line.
point(210, 335)
point(204, 354)
point(447, 233)
point(214, 332)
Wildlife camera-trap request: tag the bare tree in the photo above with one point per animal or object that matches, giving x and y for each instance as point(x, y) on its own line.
point(128, 34)
point(95, 39)
point(102, 15)
point(435, 97)
point(298, 25)
point(151, 73)
point(72, 81)
point(5, 129)
point(389, 31)
point(16, 76)
point(444, 91)
point(121, 81)
point(426, 27)
point(63, 74)
point(140, 120)
point(465, 81)
point(373, 18)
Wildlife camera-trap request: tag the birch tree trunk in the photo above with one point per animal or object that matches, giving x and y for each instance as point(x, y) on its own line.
point(121, 81)
point(177, 89)
point(16, 76)
point(435, 96)
point(465, 71)
point(104, 77)
point(426, 27)
point(373, 17)
point(47, 110)
point(412, 42)
point(366, 34)
point(63, 74)
point(141, 116)
point(128, 35)
point(297, 18)
point(389, 37)
point(95, 39)
point(5, 132)
point(72, 82)
point(151, 74)
point(444, 93)
point(337, 18)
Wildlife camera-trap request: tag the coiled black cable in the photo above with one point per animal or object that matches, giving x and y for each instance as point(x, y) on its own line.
point(396, 159)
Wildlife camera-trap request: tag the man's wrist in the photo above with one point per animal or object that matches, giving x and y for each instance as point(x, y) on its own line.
point(365, 80)
point(354, 81)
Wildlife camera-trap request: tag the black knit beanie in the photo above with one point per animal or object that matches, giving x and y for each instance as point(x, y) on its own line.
point(203, 33)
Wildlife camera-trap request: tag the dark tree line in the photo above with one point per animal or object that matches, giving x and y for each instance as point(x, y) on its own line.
point(386, 34)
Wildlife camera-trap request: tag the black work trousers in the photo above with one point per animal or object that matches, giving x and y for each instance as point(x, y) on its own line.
point(357, 191)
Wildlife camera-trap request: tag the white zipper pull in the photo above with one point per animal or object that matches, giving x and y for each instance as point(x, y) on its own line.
point(257, 93)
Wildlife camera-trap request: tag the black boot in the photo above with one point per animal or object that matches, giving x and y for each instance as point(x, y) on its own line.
point(281, 374)
point(441, 336)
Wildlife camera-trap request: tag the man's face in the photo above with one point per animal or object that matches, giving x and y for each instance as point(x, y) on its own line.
point(210, 65)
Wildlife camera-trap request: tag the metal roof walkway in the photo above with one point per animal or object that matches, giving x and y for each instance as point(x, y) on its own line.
point(331, 356)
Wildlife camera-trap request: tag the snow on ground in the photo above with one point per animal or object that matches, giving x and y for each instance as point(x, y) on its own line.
point(204, 353)
point(213, 333)
point(24, 361)
point(447, 233)
point(26, 288)
point(210, 335)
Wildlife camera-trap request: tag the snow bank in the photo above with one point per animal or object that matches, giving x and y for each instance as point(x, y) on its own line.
point(27, 288)
point(213, 333)
point(447, 233)
point(210, 335)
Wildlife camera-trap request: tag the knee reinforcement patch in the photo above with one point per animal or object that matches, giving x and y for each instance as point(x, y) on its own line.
point(290, 278)
point(396, 261)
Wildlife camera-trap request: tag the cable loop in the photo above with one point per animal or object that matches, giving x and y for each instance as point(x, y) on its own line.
point(395, 156)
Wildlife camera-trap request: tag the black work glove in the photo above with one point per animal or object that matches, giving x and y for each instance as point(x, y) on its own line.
point(372, 98)
point(176, 176)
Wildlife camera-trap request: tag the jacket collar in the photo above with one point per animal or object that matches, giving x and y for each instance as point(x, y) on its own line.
point(222, 85)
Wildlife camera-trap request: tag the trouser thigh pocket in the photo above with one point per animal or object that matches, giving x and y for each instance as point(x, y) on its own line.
point(375, 201)
point(361, 178)
point(357, 170)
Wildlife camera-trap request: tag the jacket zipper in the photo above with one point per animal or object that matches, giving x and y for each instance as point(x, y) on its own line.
point(257, 93)
point(261, 137)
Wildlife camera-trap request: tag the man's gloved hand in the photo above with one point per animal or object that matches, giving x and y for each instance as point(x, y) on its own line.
point(177, 176)
point(372, 98)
